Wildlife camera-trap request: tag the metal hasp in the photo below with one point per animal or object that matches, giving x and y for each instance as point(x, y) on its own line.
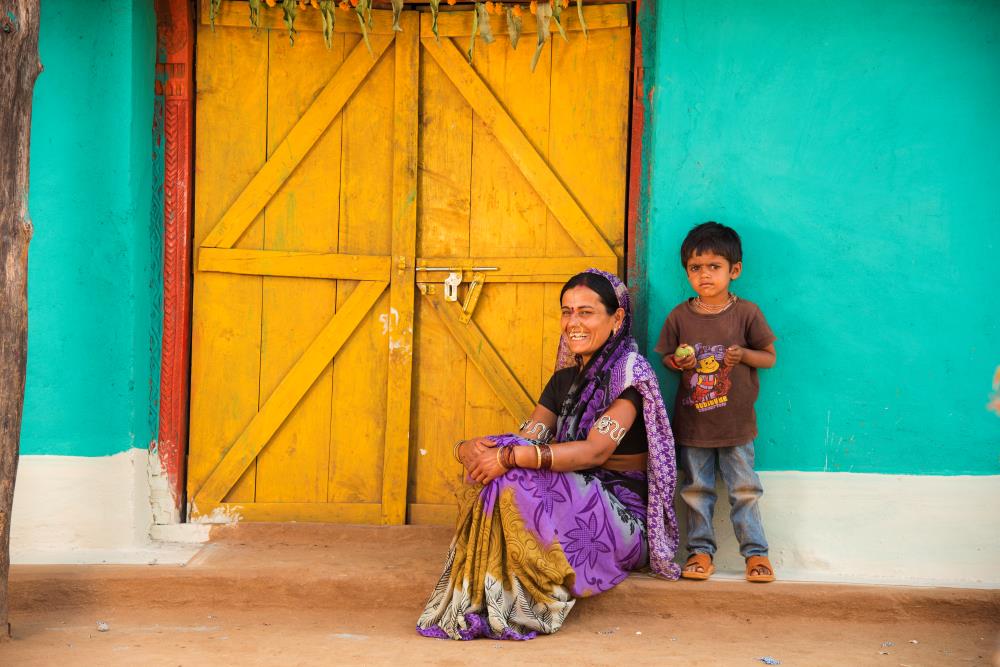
point(451, 284)
point(472, 297)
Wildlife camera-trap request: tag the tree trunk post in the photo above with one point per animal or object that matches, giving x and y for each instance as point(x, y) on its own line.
point(19, 67)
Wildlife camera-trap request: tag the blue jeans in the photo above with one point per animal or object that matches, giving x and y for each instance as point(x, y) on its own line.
point(698, 491)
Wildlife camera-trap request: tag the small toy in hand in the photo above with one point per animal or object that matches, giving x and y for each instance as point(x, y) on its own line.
point(683, 351)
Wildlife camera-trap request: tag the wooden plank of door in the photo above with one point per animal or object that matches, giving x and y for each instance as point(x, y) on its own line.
point(479, 350)
point(297, 144)
point(288, 393)
point(355, 513)
point(512, 267)
point(294, 264)
point(227, 310)
point(536, 169)
point(395, 462)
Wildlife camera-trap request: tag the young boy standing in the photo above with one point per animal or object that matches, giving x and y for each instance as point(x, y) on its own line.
point(716, 342)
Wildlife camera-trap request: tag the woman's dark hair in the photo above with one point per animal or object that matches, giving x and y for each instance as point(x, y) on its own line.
point(715, 238)
point(598, 283)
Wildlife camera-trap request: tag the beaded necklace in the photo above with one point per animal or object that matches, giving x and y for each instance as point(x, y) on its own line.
point(713, 309)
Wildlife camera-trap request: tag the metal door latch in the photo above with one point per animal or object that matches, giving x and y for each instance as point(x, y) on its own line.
point(451, 284)
point(472, 297)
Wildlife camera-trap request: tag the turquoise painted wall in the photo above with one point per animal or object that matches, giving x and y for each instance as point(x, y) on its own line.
point(855, 146)
point(91, 283)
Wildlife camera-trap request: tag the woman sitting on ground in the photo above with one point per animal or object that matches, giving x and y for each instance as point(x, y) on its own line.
point(547, 523)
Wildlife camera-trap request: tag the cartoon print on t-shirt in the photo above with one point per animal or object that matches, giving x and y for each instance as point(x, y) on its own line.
point(708, 384)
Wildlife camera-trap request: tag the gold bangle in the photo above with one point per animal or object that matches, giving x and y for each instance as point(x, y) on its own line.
point(538, 457)
point(499, 462)
point(454, 451)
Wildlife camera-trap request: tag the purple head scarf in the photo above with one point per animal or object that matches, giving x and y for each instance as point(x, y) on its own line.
point(614, 368)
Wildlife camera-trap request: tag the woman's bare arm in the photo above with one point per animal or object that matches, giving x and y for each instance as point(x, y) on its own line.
point(566, 456)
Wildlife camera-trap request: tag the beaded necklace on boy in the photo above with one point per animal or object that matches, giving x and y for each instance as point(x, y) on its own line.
point(714, 309)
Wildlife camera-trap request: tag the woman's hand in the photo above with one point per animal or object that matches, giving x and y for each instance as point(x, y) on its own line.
point(485, 466)
point(469, 450)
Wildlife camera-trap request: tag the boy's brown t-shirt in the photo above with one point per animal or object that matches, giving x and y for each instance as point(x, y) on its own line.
point(714, 406)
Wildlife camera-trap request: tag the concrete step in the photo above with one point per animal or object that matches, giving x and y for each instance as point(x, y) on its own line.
point(317, 566)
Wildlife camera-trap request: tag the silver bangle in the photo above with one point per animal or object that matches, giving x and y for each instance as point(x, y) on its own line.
point(611, 428)
point(536, 431)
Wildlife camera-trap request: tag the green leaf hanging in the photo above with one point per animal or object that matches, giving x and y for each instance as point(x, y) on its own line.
point(291, 11)
point(485, 29)
point(255, 13)
point(513, 27)
point(435, 5)
point(475, 29)
point(542, 16)
point(327, 10)
point(556, 8)
point(213, 11)
point(364, 12)
point(583, 21)
point(397, 9)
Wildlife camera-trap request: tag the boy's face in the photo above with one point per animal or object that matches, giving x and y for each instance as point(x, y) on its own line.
point(710, 275)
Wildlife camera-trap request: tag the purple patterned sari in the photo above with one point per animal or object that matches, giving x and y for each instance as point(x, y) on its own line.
point(532, 541)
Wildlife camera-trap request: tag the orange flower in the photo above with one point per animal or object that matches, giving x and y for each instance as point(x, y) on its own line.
point(518, 11)
point(564, 3)
point(498, 8)
point(302, 4)
point(345, 5)
point(314, 3)
point(271, 3)
point(490, 7)
point(451, 2)
point(533, 7)
point(354, 3)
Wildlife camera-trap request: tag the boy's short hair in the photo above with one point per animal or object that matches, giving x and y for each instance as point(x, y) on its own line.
point(715, 238)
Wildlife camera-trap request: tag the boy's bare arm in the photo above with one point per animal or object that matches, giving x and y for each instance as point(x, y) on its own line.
point(765, 358)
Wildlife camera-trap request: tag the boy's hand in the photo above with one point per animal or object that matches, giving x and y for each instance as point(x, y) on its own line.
point(684, 363)
point(734, 355)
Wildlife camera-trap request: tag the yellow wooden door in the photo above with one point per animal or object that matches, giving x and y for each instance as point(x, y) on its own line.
point(520, 171)
point(304, 229)
point(315, 223)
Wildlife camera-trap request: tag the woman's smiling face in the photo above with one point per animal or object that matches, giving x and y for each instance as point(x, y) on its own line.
point(586, 322)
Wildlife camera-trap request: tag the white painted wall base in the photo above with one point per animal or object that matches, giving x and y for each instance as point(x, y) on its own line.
point(75, 509)
point(892, 529)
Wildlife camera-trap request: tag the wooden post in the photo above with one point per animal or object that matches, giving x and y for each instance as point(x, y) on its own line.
point(19, 67)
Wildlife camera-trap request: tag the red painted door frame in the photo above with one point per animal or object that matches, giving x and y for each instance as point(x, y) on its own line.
point(173, 126)
point(175, 38)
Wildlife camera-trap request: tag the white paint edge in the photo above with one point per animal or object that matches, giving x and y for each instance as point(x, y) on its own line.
point(914, 530)
point(181, 533)
point(79, 509)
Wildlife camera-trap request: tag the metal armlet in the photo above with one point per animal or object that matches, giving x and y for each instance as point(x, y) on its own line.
point(538, 433)
point(611, 428)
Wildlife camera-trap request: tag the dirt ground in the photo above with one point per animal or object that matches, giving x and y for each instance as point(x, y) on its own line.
point(307, 595)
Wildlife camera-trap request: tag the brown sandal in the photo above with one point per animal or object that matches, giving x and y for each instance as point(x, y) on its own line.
point(704, 561)
point(759, 563)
